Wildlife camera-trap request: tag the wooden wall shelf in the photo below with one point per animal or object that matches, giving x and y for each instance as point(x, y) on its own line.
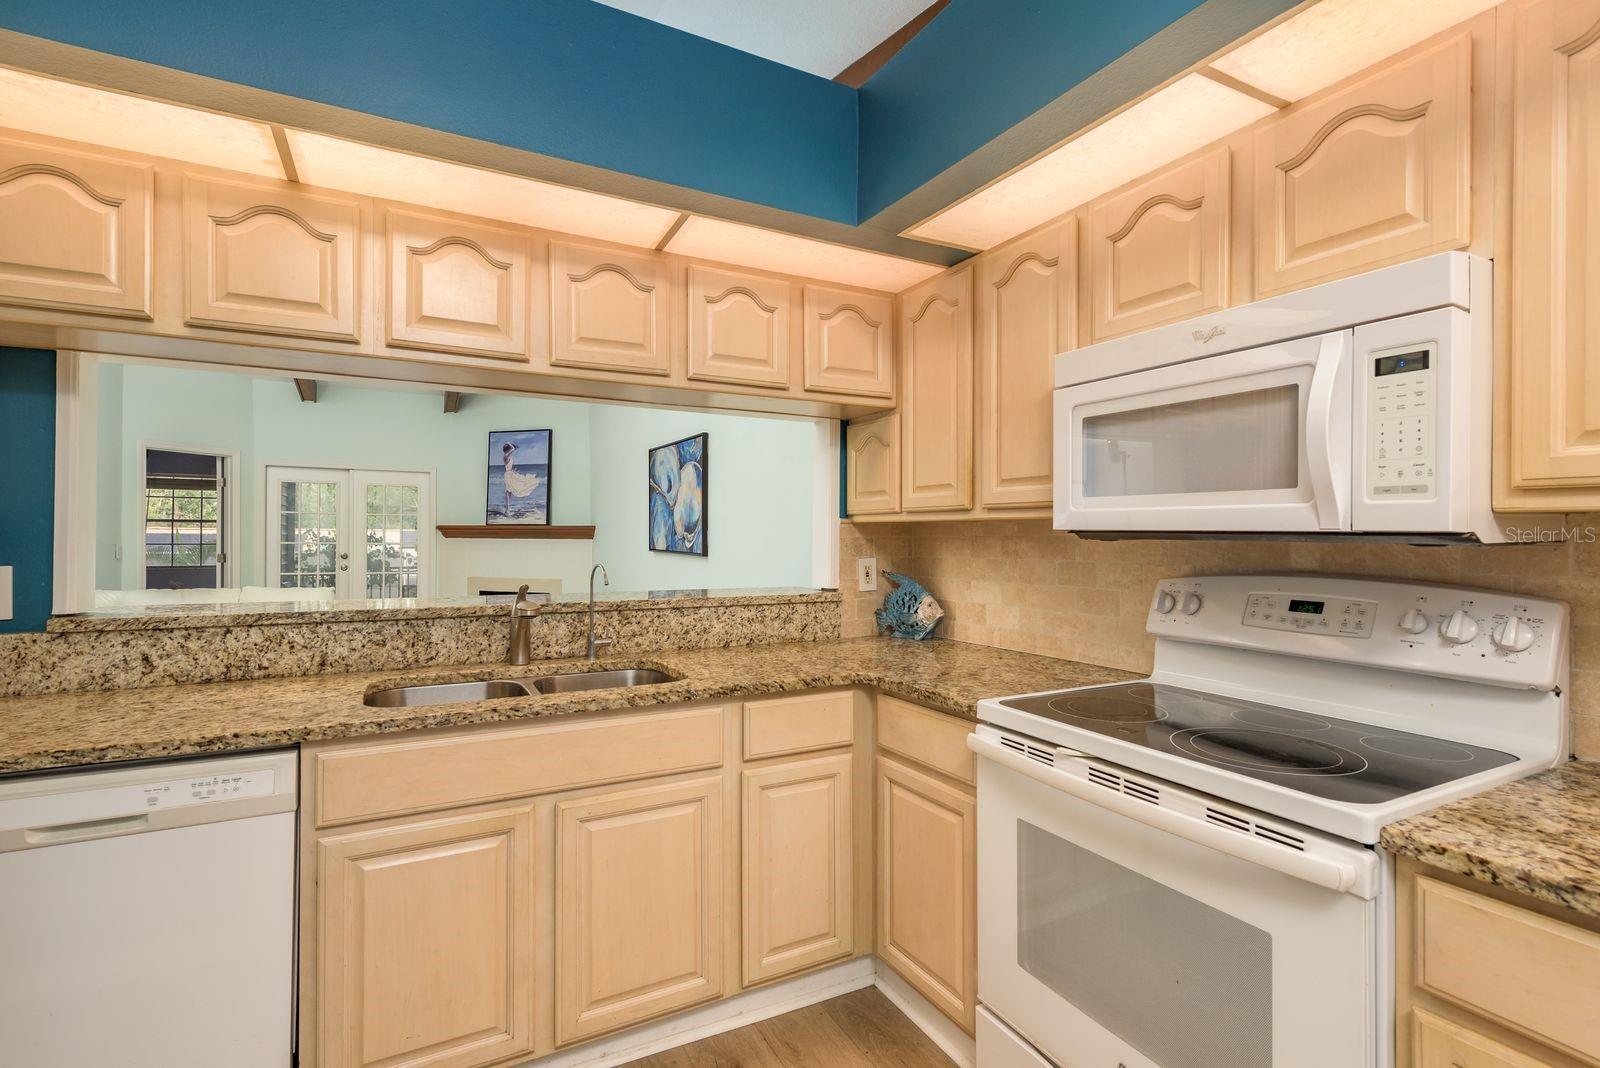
point(516, 530)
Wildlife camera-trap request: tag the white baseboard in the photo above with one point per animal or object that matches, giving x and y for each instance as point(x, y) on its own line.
point(956, 1043)
point(738, 1011)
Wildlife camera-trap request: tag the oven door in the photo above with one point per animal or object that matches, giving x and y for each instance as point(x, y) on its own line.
point(1250, 441)
point(1117, 930)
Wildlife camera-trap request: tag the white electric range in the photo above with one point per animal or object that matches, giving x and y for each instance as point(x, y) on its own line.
point(1183, 872)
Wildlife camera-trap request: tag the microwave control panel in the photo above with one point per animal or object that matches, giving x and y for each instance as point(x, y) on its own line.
point(1402, 401)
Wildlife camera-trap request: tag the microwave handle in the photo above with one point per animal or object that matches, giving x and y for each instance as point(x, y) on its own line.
point(1328, 429)
point(1344, 876)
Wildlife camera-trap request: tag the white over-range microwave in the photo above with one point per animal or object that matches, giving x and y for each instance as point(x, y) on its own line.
point(1356, 408)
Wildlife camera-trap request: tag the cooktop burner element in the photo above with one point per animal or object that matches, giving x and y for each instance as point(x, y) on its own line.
point(1341, 760)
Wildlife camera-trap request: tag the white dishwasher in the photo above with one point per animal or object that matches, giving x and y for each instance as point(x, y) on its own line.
point(147, 915)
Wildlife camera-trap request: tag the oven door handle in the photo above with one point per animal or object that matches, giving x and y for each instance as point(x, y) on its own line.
point(1345, 877)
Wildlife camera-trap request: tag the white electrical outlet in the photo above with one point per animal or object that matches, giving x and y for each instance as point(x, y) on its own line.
point(5, 592)
point(866, 573)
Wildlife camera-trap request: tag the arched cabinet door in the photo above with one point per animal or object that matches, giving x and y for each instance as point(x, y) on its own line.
point(849, 342)
point(738, 328)
point(935, 339)
point(872, 465)
point(609, 310)
point(75, 231)
point(1377, 173)
point(1026, 316)
point(456, 287)
point(1158, 253)
point(262, 258)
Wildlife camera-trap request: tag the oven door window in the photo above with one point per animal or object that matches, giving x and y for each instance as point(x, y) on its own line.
point(1229, 443)
point(1185, 984)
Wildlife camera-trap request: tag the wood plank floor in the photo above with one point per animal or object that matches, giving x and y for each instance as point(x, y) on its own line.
point(862, 1029)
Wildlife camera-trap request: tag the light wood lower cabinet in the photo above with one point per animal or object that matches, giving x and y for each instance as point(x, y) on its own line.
point(1438, 1043)
point(638, 905)
point(799, 873)
point(426, 942)
point(936, 394)
point(927, 886)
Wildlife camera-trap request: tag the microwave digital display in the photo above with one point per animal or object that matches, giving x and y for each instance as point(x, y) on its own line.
point(1310, 608)
point(1400, 363)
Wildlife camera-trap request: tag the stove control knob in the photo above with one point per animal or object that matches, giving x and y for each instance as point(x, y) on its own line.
point(1166, 602)
point(1414, 621)
point(1191, 603)
point(1513, 635)
point(1458, 628)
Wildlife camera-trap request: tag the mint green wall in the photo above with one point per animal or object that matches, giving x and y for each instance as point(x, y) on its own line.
point(758, 500)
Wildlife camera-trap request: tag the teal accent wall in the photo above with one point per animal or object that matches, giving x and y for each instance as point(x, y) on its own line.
point(27, 482)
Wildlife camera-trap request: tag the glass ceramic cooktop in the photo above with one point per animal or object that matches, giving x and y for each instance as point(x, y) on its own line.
point(1340, 760)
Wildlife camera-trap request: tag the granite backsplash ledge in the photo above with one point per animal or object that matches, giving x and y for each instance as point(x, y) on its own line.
point(76, 659)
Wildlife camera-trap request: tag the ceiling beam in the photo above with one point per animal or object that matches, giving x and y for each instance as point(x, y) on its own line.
point(285, 154)
point(307, 388)
point(452, 402)
point(857, 73)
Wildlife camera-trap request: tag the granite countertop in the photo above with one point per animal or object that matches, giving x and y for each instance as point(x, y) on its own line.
point(1538, 836)
point(65, 730)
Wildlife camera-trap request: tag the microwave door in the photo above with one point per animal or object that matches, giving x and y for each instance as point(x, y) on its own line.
point(1250, 441)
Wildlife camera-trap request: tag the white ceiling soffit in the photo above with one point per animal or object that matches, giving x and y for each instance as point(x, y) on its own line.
point(771, 250)
point(822, 37)
point(1188, 114)
point(1317, 46)
point(335, 163)
point(1336, 38)
point(132, 123)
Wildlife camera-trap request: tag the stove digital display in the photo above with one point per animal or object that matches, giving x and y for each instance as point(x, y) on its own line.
point(1310, 608)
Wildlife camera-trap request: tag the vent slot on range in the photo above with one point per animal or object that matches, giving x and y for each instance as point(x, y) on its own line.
point(1132, 787)
point(1234, 822)
point(1032, 752)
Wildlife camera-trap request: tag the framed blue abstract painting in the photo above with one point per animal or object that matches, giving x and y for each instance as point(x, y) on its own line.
point(678, 497)
point(519, 477)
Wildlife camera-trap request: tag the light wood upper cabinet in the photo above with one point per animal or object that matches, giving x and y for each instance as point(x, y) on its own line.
point(610, 310)
point(639, 905)
point(936, 393)
point(1548, 455)
point(263, 258)
point(75, 231)
point(738, 328)
point(456, 287)
point(872, 465)
point(799, 880)
point(1026, 315)
point(927, 878)
point(848, 344)
point(1158, 253)
point(425, 951)
point(1374, 174)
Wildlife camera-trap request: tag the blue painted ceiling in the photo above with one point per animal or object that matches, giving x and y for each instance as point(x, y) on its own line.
point(586, 83)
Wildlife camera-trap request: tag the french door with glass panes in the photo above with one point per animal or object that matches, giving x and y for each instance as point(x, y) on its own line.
point(361, 534)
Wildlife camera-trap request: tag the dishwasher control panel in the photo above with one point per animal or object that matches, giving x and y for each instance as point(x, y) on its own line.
point(204, 789)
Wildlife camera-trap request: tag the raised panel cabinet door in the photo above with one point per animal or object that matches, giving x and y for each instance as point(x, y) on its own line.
point(1377, 173)
point(1553, 430)
point(936, 394)
point(1026, 315)
point(638, 905)
point(265, 259)
point(1158, 253)
point(738, 328)
point(456, 287)
point(1440, 1043)
point(609, 310)
point(927, 877)
point(872, 465)
point(849, 348)
point(74, 231)
point(425, 942)
point(798, 876)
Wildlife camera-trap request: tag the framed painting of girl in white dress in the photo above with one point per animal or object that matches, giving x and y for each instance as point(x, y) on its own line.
point(519, 477)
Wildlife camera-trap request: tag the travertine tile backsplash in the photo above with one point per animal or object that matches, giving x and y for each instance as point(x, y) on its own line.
point(1020, 585)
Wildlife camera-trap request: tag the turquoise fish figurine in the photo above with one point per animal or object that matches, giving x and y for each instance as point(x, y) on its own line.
point(910, 611)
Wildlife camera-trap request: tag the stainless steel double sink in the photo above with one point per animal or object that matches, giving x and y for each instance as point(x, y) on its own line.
point(447, 693)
